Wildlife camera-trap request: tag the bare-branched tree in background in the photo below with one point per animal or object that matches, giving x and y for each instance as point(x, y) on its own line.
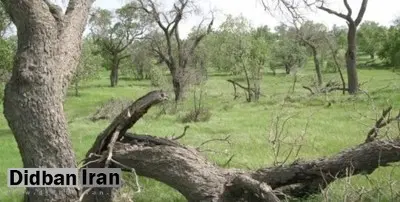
point(174, 51)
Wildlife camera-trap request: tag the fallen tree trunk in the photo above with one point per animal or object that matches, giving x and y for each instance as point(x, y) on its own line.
point(188, 171)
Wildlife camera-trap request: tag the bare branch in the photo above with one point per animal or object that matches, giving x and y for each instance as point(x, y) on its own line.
point(226, 139)
point(312, 176)
point(330, 11)
point(380, 123)
point(349, 10)
point(361, 12)
point(183, 134)
point(126, 119)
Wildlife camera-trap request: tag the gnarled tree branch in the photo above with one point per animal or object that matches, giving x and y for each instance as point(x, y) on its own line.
point(186, 170)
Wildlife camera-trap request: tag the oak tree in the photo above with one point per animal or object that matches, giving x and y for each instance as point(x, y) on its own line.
point(172, 49)
point(114, 32)
point(371, 37)
point(49, 45)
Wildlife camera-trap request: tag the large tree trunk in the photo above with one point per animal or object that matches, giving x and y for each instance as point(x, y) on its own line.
point(49, 46)
point(352, 78)
point(178, 83)
point(287, 68)
point(317, 65)
point(114, 72)
point(114, 76)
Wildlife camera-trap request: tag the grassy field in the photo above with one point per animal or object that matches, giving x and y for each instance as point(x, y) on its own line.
point(331, 129)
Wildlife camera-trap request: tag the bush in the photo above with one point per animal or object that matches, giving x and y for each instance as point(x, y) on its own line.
point(157, 76)
point(198, 115)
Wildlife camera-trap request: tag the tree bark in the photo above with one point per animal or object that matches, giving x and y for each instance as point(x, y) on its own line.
point(114, 77)
point(351, 63)
point(185, 170)
point(317, 65)
point(114, 72)
point(49, 45)
point(249, 92)
point(178, 83)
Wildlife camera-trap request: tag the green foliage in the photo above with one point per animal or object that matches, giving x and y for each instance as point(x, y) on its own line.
point(7, 52)
point(329, 131)
point(289, 54)
point(390, 50)
point(115, 31)
point(237, 43)
point(339, 35)
point(200, 115)
point(5, 20)
point(140, 62)
point(89, 65)
point(227, 41)
point(314, 34)
point(157, 76)
point(371, 37)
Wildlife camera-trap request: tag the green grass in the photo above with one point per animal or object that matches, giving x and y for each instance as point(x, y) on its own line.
point(332, 129)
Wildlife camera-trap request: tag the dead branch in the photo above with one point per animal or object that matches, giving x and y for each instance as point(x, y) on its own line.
point(328, 88)
point(127, 119)
point(183, 134)
point(228, 161)
point(309, 89)
point(234, 83)
point(380, 123)
point(305, 178)
point(101, 153)
point(235, 95)
point(226, 139)
point(187, 171)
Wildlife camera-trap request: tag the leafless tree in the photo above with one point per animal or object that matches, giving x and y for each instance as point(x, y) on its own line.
point(49, 46)
point(173, 50)
point(293, 8)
